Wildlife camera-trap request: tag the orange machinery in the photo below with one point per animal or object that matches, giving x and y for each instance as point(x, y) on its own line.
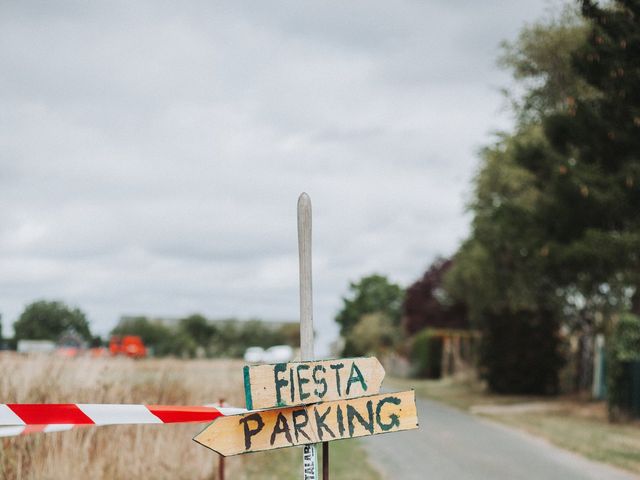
point(128, 345)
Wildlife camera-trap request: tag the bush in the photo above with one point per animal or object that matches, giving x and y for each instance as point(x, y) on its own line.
point(426, 355)
point(374, 334)
point(520, 352)
point(623, 355)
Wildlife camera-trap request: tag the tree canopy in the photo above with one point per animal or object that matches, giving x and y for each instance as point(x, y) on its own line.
point(47, 320)
point(555, 230)
point(221, 338)
point(373, 294)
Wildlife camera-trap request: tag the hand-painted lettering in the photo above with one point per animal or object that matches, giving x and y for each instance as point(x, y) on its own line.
point(340, 420)
point(320, 381)
point(292, 386)
point(355, 376)
point(298, 426)
point(320, 422)
point(395, 421)
point(281, 426)
point(337, 367)
point(249, 432)
point(297, 383)
point(301, 381)
point(279, 382)
point(308, 424)
point(353, 413)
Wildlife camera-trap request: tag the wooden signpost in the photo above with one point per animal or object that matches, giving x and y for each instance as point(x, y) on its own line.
point(302, 383)
point(312, 401)
point(307, 424)
point(309, 455)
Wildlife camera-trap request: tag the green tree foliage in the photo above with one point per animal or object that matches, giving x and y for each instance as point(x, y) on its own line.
point(371, 294)
point(222, 338)
point(540, 60)
point(426, 354)
point(596, 163)
point(501, 265)
point(505, 271)
point(47, 320)
point(556, 235)
point(500, 274)
point(154, 334)
point(197, 328)
point(520, 351)
point(234, 337)
point(374, 334)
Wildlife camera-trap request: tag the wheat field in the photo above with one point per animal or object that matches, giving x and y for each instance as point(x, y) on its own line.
point(116, 452)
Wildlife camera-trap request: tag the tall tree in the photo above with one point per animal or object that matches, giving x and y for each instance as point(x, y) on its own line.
point(499, 273)
point(197, 328)
point(506, 270)
point(595, 169)
point(46, 320)
point(373, 294)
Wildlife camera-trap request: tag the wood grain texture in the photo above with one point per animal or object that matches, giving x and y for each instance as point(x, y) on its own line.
point(308, 424)
point(300, 383)
point(309, 456)
point(306, 284)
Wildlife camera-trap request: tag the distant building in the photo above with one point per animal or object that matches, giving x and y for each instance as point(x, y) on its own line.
point(36, 346)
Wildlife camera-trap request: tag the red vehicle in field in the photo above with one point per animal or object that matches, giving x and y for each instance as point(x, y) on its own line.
point(128, 345)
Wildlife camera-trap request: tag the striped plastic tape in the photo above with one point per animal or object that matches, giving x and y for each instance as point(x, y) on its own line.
point(22, 418)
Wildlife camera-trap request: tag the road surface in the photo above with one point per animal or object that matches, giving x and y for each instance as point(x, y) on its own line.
point(453, 445)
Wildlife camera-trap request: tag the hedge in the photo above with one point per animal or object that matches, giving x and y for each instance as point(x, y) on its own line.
point(426, 354)
point(623, 356)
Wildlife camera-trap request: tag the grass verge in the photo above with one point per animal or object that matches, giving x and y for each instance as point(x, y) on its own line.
point(348, 461)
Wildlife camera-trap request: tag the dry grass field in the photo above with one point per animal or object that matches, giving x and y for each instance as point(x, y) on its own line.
point(146, 451)
point(137, 452)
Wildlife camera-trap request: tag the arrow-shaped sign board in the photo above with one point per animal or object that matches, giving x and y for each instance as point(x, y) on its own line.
point(303, 383)
point(307, 424)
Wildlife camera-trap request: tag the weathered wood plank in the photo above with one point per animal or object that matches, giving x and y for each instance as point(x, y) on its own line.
point(308, 424)
point(303, 383)
point(309, 456)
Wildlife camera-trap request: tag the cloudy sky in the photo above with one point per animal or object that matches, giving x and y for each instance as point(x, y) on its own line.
point(151, 153)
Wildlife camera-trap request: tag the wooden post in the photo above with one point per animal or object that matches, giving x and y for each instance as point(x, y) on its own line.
point(325, 460)
point(306, 296)
point(220, 467)
point(309, 457)
point(220, 457)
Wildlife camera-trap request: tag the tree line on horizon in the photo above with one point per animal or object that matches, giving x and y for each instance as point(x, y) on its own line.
point(189, 336)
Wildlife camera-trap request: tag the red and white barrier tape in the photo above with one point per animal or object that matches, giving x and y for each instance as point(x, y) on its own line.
point(22, 418)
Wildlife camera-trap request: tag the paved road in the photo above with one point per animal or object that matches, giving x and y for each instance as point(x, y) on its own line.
point(452, 445)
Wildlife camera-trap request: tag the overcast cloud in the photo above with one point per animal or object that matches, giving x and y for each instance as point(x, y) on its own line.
point(151, 153)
